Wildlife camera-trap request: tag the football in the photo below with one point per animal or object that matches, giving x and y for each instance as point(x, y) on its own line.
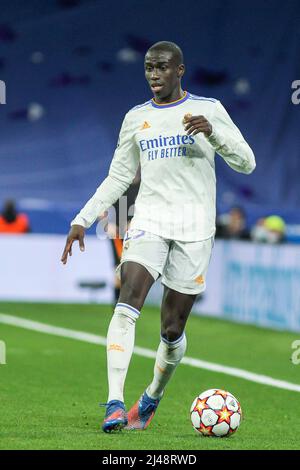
point(216, 413)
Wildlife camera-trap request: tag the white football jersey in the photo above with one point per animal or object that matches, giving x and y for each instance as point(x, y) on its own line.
point(177, 196)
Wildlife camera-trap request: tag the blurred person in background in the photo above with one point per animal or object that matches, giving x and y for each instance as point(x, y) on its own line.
point(117, 229)
point(11, 221)
point(233, 225)
point(270, 229)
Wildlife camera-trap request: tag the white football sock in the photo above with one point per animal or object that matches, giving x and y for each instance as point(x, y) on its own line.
point(169, 355)
point(120, 343)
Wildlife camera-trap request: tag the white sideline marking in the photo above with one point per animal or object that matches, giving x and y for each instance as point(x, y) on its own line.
point(190, 361)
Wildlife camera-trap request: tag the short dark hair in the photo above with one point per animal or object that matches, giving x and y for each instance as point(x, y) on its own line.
point(170, 47)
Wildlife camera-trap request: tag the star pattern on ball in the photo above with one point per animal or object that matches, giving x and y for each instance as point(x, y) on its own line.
point(201, 405)
point(222, 393)
point(206, 430)
point(224, 415)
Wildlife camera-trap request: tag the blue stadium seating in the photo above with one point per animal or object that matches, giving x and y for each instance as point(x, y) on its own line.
point(73, 68)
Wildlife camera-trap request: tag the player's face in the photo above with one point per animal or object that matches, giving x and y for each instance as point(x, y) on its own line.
point(162, 73)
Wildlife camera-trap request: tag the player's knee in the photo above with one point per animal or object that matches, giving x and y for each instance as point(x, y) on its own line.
point(171, 333)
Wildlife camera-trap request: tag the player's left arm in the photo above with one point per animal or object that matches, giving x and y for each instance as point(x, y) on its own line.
point(225, 137)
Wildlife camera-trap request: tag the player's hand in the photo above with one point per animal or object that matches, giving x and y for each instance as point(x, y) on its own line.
point(76, 233)
point(195, 124)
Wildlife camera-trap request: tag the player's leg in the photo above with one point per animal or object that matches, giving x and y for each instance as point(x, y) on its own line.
point(136, 281)
point(135, 284)
point(176, 307)
point(175, 310)
point(184, 278)
point(144, 255)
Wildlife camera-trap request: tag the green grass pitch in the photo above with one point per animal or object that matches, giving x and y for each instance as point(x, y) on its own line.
point(51, 386)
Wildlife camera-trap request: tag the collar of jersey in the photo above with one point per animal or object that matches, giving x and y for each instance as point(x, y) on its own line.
point(172, 103)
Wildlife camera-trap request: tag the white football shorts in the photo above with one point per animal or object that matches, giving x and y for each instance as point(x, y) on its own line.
point(181, 265)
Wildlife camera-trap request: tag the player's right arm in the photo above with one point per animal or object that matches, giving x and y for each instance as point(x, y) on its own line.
point(121, 173)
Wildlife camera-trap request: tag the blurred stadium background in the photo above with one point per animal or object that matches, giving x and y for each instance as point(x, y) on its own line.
point(72, 69)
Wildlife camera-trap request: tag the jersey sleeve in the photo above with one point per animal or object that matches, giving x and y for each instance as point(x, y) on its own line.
point(229, 143)
point(121, 173)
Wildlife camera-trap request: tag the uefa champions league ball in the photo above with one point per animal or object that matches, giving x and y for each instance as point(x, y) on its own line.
point(216, 413)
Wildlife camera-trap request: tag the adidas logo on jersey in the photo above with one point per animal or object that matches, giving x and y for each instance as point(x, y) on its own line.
point(146, 125)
